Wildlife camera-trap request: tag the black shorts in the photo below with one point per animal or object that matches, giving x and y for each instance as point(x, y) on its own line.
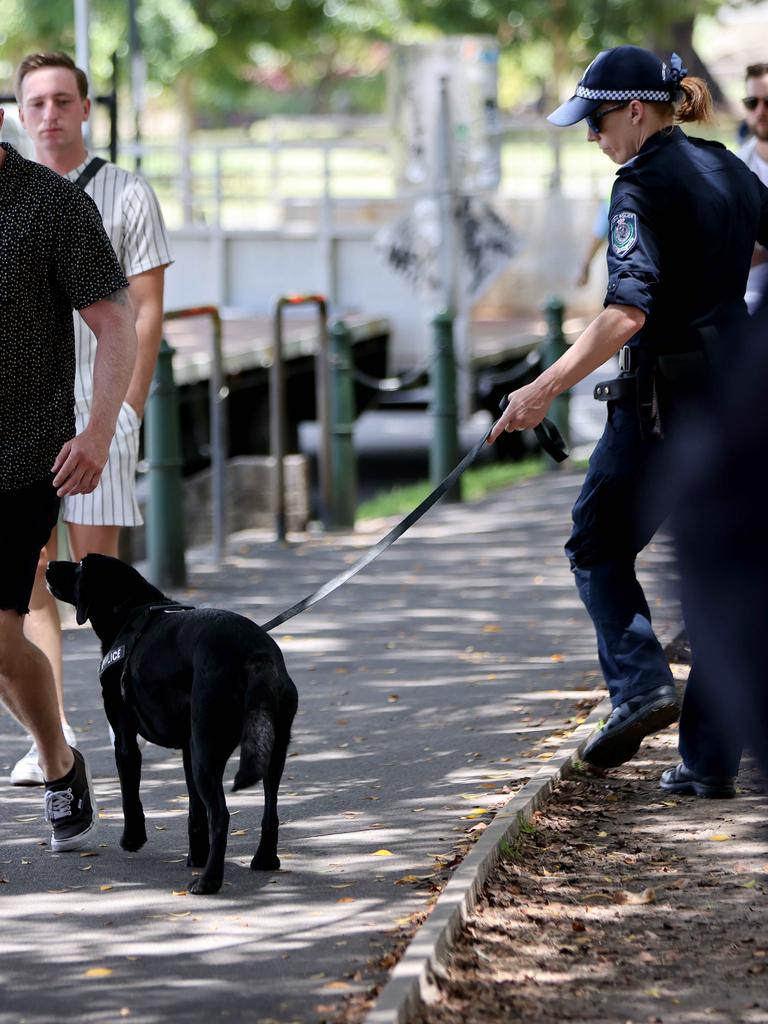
point(27, 517)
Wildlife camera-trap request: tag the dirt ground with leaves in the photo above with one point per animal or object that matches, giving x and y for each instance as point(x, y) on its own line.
point(621, 903)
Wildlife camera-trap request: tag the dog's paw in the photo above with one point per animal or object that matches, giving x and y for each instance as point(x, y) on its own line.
point(203, 886)
point(134, 839)
point(265, 862)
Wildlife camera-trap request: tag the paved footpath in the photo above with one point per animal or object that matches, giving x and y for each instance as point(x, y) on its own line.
point(431, 686)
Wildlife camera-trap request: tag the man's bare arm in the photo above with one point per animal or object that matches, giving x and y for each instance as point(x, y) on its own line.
point(611, 329)
point(147, 298)
point(79, 464)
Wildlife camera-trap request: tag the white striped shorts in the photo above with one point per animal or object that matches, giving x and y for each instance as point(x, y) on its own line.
point(113, 503)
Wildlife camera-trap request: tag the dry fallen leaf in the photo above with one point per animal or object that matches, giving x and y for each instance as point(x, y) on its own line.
point(383, 853)
point(635, 898)
point(346, 899)
point(720, 837)
point(97, 972)
point(104, 888)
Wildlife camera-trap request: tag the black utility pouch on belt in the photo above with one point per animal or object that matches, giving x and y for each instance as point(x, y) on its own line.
point(636, 387)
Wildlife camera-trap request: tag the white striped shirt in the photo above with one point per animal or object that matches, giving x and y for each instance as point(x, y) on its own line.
point(134, 223)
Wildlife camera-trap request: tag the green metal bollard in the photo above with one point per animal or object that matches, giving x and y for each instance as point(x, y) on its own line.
point(165, 514)
point(555, 347)
point(444, 451)
point(342, 416)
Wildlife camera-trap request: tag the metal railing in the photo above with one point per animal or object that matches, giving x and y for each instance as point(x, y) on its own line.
point(288, 173)
point(217, 395)
point(277, 411)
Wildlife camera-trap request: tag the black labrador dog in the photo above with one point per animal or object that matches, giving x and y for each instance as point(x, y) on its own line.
point(201, 680)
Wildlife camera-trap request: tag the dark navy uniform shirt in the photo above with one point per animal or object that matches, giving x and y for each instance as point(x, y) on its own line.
point(685, 215)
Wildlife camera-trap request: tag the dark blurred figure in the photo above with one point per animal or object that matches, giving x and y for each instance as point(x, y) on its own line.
point(721, 530)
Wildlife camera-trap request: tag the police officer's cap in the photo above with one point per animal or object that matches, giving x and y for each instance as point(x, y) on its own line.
point(623, 73)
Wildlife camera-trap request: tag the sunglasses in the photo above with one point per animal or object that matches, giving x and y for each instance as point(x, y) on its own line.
point(751, 102)
point(593, 120)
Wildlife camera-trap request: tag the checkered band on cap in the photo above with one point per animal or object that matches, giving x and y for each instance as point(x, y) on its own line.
point(649, 95)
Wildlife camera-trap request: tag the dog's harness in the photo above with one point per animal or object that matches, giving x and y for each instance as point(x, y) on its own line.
point(121, 650)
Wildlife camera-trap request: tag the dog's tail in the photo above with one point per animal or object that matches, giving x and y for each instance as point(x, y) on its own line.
point(256, 743)
point(256, 740)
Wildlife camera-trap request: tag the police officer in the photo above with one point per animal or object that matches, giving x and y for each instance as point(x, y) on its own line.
point(683, 221)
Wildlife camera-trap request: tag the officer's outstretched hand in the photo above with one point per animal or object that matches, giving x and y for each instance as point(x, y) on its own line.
point(526, 409)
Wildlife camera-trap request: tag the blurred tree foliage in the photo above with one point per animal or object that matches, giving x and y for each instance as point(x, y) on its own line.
point(311, 53)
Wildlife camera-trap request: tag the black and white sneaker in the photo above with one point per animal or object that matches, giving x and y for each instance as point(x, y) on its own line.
point(70, 807)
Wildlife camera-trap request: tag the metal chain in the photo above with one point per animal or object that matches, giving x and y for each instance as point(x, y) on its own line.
point(406, 380)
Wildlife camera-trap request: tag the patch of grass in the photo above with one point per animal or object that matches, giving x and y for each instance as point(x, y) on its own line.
point(507, 850)
point(476, 483)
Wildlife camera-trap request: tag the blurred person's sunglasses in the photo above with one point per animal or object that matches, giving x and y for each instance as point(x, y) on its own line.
point(751, 102)
point(593, 120)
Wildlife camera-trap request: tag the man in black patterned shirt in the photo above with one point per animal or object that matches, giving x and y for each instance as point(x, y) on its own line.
point(54, 257)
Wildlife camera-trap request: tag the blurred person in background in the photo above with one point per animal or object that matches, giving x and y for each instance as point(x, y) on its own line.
point(722, 542)
point(754, 153)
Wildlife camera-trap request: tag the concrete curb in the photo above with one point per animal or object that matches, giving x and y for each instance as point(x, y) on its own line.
point(428, 949)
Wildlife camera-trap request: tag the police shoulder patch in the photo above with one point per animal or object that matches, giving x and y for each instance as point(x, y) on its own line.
point(624, 232)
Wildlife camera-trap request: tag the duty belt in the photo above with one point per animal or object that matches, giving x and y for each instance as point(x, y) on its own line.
point(623, 386)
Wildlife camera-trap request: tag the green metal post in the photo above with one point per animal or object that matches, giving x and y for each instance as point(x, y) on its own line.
point(555, 347)
point(165, 516)
point(342, 417)
point(444, 452)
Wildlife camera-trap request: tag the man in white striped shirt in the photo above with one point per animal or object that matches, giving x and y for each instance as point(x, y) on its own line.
point(53, 105)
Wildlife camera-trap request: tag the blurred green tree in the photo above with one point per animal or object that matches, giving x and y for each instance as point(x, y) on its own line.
point(573, 31)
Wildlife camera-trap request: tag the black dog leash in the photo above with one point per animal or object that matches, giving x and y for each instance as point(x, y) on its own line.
point(550, 439)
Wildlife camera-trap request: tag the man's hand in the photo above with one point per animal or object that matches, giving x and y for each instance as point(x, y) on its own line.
point(79, 464)
point(527, 408)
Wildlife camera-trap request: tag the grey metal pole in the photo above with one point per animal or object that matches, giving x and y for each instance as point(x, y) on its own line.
point(217, 394)
point(138, 78)
point(445, 444)
point(342, 405)
point(323, 411)
point(83, 49)
point(446, 198)
point(277, 422)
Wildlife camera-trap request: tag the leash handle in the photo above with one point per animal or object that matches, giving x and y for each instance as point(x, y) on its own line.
point(548, 436)
point(551, 440)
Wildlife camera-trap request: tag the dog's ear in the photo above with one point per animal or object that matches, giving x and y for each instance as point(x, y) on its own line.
point(82, 597)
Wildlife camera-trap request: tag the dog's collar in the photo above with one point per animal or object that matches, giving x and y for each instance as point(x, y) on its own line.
point(134, 627)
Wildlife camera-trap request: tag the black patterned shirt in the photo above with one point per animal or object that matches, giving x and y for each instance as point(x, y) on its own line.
point(54, 257)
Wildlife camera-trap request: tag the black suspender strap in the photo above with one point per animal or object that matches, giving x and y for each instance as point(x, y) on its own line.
point(89, 171)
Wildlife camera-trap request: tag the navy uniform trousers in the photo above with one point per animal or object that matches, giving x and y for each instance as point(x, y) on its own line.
point(615, 516)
